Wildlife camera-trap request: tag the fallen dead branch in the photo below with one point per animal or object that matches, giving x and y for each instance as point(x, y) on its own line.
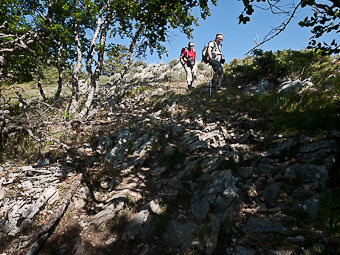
point(30, 244)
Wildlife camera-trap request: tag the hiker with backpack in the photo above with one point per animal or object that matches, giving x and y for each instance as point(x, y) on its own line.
point(189, 62)
point(212, 54)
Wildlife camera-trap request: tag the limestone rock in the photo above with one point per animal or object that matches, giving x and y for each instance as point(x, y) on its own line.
point(180, 235)
point(263, 225)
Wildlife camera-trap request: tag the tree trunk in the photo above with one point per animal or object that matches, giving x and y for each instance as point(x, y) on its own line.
point(38, 74)
point(2, 67)
point(75, 75)
point(129, 55)
point(103, 27)
point(60, 73)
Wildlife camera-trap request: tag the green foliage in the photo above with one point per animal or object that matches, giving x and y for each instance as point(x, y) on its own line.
point(20, 147)
point(309, 111)
point(163, 218)
point(330, 214)
point(173, 62)
point(302, 64)
point(45, 35)
point(201, 66)
point(114, 63)
point(117, 222)
point(140, 63)
point(173, 76)
point(137, 90)
point(41, 35)
point(103, 80)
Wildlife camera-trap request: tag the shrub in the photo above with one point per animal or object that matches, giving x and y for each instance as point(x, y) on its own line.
point(172, 77)
point(173, 62)
point(323, 69)
point(140, 63)
point(201, 66)
point(311, 111)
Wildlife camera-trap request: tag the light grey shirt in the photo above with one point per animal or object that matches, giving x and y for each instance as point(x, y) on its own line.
point(216, 50)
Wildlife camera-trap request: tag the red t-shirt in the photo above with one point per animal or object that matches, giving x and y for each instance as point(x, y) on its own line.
point(190, 53)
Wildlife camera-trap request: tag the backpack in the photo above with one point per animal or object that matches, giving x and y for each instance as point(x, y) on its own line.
point(205, 57)
point(186, 52)
point(185, 49)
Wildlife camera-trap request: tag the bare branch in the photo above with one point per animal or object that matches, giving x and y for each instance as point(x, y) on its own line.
point(31, 243)
point(4, 25)
point(41, 15)
point(274, 8)
point(19, 43)
point(277, 30)
point(5, 35)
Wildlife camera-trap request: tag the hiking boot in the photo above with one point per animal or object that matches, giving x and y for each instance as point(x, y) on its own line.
point(219, 86)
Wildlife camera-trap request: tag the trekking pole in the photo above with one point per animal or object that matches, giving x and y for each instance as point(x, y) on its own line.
point(210, 84)
point(181, 80)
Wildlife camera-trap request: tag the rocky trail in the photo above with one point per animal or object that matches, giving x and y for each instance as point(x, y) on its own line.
point(173, 172)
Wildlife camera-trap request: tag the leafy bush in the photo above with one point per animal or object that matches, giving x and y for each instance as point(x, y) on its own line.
point(173, 77)
point(201, 66)
point(140, 63)
point(173, 62)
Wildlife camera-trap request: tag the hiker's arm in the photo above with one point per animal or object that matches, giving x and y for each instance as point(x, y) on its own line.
point(210, 53)
point(181, 59)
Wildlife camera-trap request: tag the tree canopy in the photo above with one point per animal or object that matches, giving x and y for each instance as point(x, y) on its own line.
point(25, 23)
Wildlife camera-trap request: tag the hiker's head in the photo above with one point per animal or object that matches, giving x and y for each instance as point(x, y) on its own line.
point(191, 45)
point(219, 37)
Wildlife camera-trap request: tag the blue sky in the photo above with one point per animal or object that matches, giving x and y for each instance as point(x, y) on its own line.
point(239, 39)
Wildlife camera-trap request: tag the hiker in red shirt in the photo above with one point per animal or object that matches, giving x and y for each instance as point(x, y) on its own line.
point(189, 62)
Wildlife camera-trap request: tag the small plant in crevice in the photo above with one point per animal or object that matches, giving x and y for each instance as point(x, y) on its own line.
point(131, 203)
point(204, 234)
point(270, 241)
point(118, 221)
point(198, 171)
point(329, 217)
point(227, 163)
point(225, 233)
point(173, 159)
point(163, 218)
point(96, 175)
point(290, 154)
